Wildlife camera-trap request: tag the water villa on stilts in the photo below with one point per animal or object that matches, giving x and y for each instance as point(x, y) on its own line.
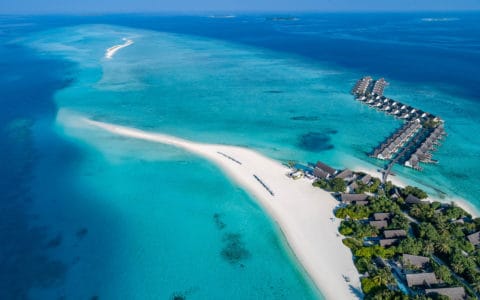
point(412, 143)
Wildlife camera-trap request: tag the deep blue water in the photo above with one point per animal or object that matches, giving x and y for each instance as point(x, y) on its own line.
point(43, 237)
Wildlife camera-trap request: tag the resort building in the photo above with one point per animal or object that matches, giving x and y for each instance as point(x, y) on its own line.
point(421, 279)
point(379, 224)
point(416, 261)
point(411, 199)
point(345, 174)
point(358, 199)
point(366, 179)
point(421, 129)
point(474, 238)
point(453, 293)
point(396, 233)
point(381, 216)
point(323, 171)
point(387, 242)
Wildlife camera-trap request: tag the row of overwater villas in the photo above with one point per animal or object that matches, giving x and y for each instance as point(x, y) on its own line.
point(422, 153)
point(368, 86)
point(395, 108)
point(397, 140)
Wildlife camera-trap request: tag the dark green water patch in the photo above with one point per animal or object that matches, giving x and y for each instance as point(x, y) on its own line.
point(55, 242)
point(218, 219)
point(316, 141)
point(304, 118)
point(234, 250)
point(81, 233)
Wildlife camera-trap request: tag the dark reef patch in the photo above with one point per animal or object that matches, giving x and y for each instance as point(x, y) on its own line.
point(305, 118)
point(316, 141)
point(217, 218)
point(234, 250)
point(81, 233)
point(182, 295)
point(55, 242)
point(178, 296)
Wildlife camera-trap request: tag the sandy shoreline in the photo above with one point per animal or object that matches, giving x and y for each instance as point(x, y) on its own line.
point(303, 213)
point(112, 50)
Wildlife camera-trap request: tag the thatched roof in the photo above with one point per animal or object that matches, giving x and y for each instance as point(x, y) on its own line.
point(381, 216)
point(415, 260)
point(387, 242)
point(411, 199)
point(325, 168)
point(454, 293)
point(349, 198)
point(379, 224)
point(474, 238)
point(395, 233)
point(421, 279)
point(344, 174)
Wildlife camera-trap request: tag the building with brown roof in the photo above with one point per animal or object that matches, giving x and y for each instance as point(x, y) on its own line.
point(387, 242)
point(415, 260)
point(395, 233)
point(359, 199)
point(379, 224)
point(381, 216)
point(474, 238)
point(454, 293)
point(322, 170)
point(421, 279)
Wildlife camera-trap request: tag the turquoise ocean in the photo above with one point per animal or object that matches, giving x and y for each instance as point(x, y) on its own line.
point(89, 214)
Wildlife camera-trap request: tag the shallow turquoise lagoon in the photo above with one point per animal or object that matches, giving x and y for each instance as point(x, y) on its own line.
point(162, 222)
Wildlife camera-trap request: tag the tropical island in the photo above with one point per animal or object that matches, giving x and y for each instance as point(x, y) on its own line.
point(404, 246)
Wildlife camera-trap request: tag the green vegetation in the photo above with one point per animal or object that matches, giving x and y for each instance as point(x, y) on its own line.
point(411, 190)
point(435, 230)
point(336, 185)
point(357, 229)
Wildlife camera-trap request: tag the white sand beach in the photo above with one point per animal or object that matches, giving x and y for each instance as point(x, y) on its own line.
point(112, 50)
point(303, 213)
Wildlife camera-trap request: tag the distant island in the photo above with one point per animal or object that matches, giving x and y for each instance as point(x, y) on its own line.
point(283, 19)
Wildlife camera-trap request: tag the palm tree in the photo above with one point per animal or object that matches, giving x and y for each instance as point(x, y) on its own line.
point(416, 211)
point(383, 277)
point(458, 267)
point(428, 248)
point(476, 285)
point(443, 246)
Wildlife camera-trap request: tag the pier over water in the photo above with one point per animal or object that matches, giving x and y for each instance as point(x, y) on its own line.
point(411, 144)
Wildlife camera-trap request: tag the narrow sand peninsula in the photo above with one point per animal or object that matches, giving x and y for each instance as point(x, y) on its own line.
point(303, 213)
point(112, 50)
